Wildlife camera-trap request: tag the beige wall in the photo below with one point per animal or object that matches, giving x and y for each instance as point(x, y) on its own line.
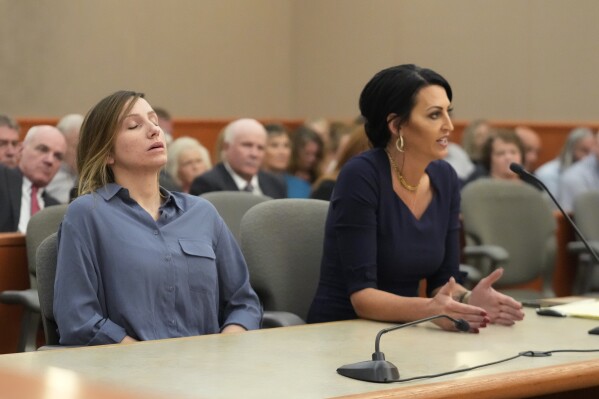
point(508, 59)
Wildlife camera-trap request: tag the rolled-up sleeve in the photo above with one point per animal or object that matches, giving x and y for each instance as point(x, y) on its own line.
point(77, 309)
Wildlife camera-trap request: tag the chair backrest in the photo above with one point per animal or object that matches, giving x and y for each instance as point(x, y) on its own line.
point(232, 205)
point(586, 213)
point(40, 226)
point(282, 242)
point(516, 217)
point(46, 260)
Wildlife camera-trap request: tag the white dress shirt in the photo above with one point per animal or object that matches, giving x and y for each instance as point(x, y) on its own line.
point(242, 183)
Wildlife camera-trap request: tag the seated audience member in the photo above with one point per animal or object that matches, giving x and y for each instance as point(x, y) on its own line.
point(338, 136)
point(459, 160)
point(9, 141)
point(502, 148)
point(579, 178)
point(356, 144)
point(66, 178)
point(276, 160)
point(322, 126)
point(473, 138)
point(532, 146)
point(244, 143)
point(22, 189)
point(135, 261)
point(578, 145)
point(394, 216)
point(187, 159)
point(165, 121)
point(307, 151)
point(218, 146)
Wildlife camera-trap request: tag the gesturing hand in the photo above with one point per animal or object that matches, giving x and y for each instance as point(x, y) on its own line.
point(445, 303)
point(501, 308)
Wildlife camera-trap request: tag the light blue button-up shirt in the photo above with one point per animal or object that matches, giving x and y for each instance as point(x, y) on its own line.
point(120, 272)
point(579, 178)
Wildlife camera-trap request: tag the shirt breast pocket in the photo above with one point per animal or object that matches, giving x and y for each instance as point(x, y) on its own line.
point(201, 265)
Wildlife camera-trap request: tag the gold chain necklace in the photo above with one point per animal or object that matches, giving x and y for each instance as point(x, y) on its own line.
point(401, 179)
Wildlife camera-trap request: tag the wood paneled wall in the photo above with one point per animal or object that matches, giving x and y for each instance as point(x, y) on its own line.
point(553, 134)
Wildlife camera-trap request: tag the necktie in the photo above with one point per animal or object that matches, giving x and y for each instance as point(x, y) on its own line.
point(249, 188)
point(35, 205)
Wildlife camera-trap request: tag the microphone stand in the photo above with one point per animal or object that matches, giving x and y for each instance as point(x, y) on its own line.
point(529, 177)
point(380, 370)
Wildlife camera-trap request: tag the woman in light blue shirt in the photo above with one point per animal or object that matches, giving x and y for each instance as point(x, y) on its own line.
point(578, 145)
point(135, 261)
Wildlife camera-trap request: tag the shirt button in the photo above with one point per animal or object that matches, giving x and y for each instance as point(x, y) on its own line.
point(167, 258)
point(170, 288)
point(155, 232)
point(172, 322)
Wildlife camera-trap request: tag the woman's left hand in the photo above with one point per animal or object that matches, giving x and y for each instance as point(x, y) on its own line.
point(500, 308)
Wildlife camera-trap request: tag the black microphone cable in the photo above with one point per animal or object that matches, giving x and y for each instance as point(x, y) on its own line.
point(521, 354)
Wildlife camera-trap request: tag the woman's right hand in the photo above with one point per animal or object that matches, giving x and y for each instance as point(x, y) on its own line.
point(444, 303)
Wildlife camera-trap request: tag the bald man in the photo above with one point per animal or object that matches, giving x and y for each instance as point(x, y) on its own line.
point(532, 146)
point(244, 143)
point(22, 191)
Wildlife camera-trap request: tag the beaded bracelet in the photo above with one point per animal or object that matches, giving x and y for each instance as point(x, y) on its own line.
point(465, 297)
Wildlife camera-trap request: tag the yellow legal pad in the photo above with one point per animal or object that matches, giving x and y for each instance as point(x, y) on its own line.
point(585, 308)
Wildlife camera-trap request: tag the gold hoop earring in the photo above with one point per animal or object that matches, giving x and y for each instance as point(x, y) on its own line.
point(399, 144)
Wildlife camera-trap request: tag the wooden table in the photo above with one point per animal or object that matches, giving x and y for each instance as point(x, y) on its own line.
point(301, 362)
point(14, 275)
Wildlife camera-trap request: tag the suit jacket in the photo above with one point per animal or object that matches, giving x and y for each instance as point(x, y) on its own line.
point(219, 179)
point(11, 182)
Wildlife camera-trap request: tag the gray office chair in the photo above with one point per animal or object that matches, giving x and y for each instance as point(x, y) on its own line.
point(41, 225)
point(47, 255)
point(517, 223)
point(232, 205)
point(586, 215)
point(282, 243)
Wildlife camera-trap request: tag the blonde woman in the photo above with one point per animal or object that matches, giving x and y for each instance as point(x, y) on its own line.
point(187, 159)
point(135, 261)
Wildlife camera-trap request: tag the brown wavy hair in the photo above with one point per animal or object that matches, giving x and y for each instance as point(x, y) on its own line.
point(97, 137)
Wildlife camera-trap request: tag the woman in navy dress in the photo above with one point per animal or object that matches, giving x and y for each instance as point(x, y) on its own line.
point(394, 216)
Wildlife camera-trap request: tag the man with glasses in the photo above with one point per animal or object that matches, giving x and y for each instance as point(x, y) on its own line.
point(22, 189)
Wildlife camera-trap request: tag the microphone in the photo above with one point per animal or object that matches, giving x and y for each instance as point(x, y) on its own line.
point(530, 178)
point(380, 370)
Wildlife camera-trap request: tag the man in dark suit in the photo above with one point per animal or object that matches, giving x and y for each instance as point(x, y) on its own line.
point(9, 141)
point(244, 143)
point(22, 188)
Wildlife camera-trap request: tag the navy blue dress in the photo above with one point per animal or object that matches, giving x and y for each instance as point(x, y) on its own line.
point(372, 239)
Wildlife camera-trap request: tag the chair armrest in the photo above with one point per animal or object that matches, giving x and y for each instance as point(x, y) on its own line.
point(578, 247)
point(272, 319)
point(27, 298)
point(498, 255)
point(473, 275)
